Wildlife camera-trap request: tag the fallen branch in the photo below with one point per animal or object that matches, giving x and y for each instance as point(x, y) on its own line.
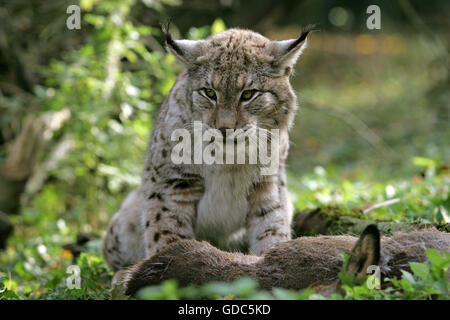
point(380, 205)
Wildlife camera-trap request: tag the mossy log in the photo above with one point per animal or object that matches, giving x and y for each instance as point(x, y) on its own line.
point(336, 220)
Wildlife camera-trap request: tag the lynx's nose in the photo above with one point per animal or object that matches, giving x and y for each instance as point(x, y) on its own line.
point(230, 137)
point(223, 130)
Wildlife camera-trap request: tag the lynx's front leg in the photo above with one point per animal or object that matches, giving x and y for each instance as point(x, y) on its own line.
point(169, 214)
point(270, 216)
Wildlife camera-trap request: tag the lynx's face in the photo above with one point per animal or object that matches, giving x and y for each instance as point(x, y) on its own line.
point(239, 79)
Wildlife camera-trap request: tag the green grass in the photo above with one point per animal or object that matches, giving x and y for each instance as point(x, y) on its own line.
point(38, 264)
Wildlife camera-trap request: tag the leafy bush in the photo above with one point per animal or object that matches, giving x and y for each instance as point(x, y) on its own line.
point(428, 281)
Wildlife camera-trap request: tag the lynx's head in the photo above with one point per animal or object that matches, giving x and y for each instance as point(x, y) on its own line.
point(238, 79)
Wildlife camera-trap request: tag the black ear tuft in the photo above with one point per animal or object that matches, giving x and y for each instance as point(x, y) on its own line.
point(286, 52)
point(305, 31)
point(169, 40)
point(165, 27)
point(186, 51)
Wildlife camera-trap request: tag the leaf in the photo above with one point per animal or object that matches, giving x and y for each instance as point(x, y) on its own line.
point(284, 294)
point(408, 277)
point(435, 258)
point(245, 286)
point(441, 286)
point(445, 214)
point(218, 26)
point(87, 5)
point(424, 162)
point(420, 269)
point(349, 280)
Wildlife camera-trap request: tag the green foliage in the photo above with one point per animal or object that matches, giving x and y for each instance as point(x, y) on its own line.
point(95, 278)
point(427, 281)
point(218, 26)
point(243, 288)
point(36, 268)
point(112, 86)
point(424, 199)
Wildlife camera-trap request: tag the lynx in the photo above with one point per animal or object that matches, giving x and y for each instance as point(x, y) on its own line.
point(296, 264)
point(236, 79)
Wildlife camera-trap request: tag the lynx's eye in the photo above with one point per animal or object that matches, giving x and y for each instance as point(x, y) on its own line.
point(247, 95)
point(210, 93)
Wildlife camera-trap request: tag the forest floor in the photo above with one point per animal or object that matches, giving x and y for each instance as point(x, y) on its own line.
point(36, 263)
point(371, 128)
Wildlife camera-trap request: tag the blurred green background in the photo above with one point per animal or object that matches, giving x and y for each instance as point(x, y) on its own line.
point(76, 109)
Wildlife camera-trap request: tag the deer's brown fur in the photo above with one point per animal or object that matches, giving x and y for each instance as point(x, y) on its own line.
point(295, 264)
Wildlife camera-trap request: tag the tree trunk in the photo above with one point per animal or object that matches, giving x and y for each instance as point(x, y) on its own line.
point(6, 229)
point(19, 164)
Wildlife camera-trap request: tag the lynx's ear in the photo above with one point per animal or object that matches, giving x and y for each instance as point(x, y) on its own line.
point(186, 51)
point(365, 253)
point(286, 52)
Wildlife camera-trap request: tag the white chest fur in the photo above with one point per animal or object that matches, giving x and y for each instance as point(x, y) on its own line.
point(224, 206)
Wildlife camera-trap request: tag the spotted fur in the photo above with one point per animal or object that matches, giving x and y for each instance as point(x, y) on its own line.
point(231, 206)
